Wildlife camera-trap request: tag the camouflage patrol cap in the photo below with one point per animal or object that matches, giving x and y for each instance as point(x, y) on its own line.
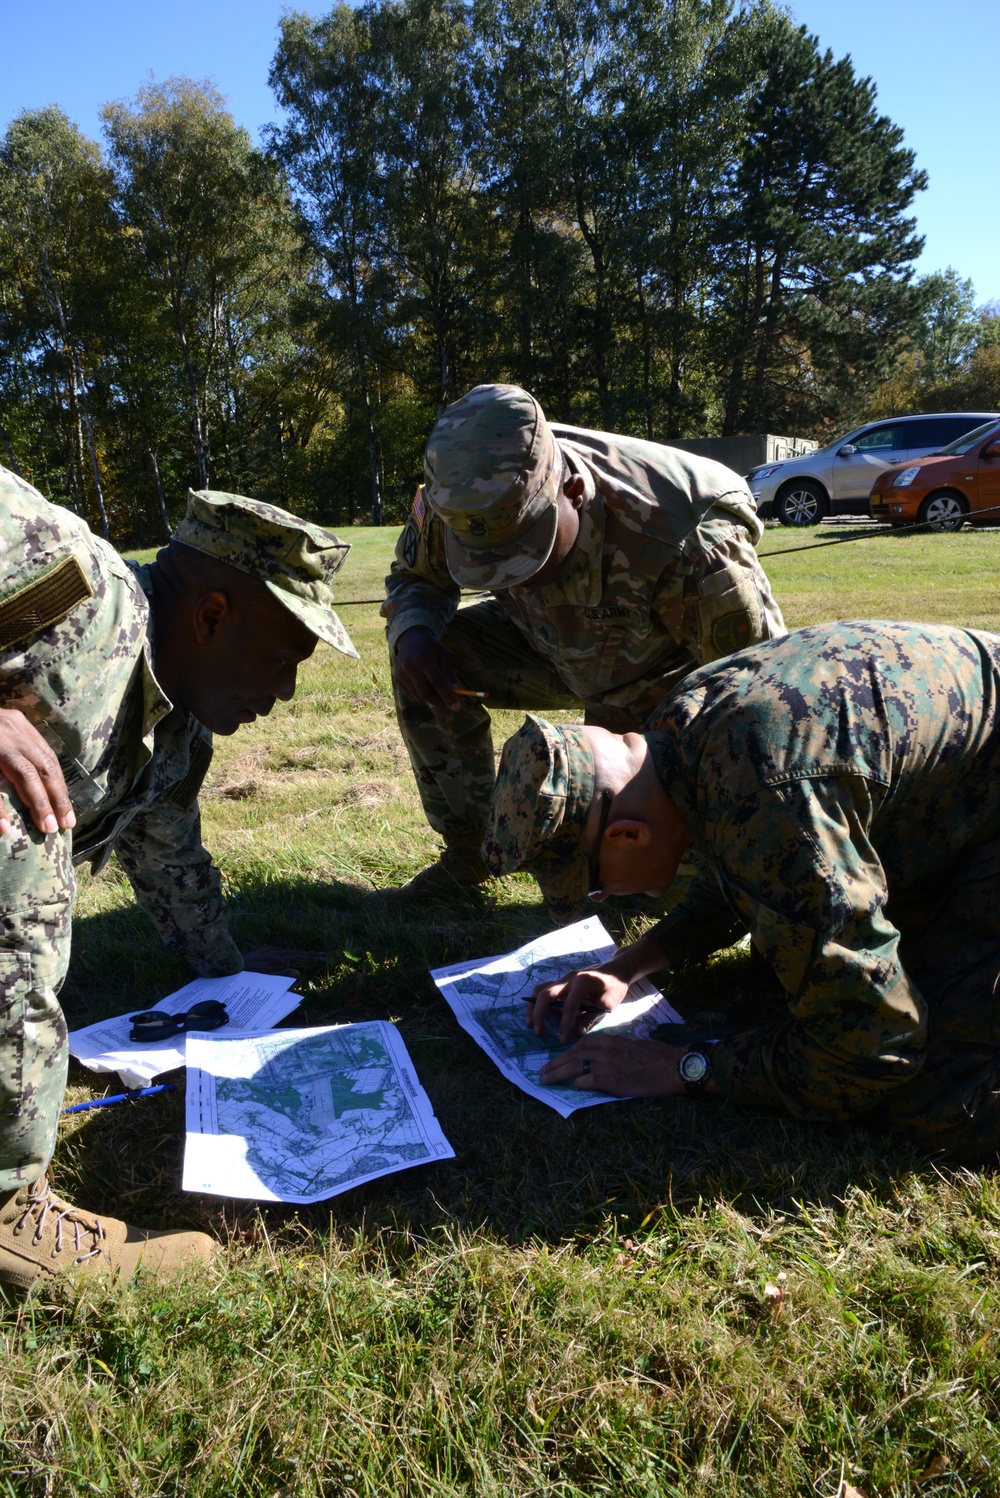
point(493, 474)
point(539, 810)
point(296, 561)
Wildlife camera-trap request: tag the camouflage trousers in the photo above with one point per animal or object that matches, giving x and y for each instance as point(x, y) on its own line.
point(37, 885)
point(951, 949)
point(452, 753)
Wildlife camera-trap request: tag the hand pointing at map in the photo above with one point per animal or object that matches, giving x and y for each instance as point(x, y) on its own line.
point(584, 995)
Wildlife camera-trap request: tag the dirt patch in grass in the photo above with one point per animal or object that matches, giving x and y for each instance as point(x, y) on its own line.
point(371, 793)
point(249, 776)
point(385, 741)
point(237, 790)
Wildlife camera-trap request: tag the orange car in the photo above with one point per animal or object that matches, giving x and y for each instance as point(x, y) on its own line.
point(959, 483)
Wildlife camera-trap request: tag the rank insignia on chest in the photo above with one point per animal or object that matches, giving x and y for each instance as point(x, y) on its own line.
point(731, 632)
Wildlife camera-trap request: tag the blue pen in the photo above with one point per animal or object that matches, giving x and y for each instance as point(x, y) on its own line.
point(122, 1097)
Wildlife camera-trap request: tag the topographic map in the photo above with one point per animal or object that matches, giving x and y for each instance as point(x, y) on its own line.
point(488, 997)
point(300, 1115)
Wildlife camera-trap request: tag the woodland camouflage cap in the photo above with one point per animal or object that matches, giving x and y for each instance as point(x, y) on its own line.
point(542, 797)
point(493, 474)
point(295, 560)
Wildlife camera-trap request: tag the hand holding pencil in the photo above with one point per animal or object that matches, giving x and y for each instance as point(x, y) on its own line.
point(424, 670)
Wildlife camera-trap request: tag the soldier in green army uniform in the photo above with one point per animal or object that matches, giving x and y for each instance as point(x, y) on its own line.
point(616, 566)
point(113, 677)
point(841, 790)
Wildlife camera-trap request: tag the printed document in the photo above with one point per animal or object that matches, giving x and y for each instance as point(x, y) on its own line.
point(253, 1001)
point(489, 997)
point(300, 1115)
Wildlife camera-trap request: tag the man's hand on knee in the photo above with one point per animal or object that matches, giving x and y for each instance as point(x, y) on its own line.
point(424, 669)
point(31, 767)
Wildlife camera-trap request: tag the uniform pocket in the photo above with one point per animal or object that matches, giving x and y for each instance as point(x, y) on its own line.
point(731, 618)
point(15, 985)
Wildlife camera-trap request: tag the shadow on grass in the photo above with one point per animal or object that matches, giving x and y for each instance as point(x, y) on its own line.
point(520, 1171)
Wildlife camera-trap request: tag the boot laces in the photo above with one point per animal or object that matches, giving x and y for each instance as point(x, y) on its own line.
point(48, 1212)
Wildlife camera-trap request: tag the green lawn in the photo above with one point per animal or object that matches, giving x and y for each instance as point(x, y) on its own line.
point(569, 1308)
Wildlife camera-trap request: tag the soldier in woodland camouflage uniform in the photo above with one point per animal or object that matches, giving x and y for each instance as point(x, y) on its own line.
point(112, 676)
point(617, 566)
point(842, 790)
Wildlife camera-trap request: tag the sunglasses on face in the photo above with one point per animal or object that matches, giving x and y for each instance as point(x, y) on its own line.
point(594, 885)
point(157, 1024)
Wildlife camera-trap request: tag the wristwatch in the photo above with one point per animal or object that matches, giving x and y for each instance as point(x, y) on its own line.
point(694, 1068)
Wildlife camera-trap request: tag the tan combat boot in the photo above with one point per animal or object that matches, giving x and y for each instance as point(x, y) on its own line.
point(459, 871)
point(43, 1238)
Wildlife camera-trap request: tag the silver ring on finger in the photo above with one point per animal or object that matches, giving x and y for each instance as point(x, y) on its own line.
point(584, 1068)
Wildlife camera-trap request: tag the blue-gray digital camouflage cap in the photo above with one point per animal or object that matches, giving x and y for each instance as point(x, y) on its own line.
point(538, 813)
point(295, 560)
point(493, 473)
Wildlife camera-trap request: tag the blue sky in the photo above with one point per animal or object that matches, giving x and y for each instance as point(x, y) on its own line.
point(935, 66)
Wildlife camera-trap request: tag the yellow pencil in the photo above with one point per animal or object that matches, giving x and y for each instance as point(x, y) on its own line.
point(464, 692)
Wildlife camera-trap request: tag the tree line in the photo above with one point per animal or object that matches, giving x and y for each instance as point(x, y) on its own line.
point(668, 217)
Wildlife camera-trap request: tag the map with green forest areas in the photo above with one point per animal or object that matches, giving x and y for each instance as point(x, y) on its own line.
point(312, 1112)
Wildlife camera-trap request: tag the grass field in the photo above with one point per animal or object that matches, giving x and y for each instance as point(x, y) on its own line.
point(570, 1308)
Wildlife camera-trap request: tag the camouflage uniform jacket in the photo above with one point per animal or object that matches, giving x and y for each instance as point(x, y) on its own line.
point(663, 575)
point(133, 762)
point(826, 779)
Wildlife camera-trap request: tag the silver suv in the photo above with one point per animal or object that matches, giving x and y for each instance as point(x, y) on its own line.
point(837, 480)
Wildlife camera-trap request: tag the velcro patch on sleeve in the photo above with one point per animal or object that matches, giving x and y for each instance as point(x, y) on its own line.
point(419, 508)
point(43, 603)
point(186, 791)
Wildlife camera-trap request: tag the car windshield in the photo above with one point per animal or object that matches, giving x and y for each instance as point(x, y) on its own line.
point(962, 444)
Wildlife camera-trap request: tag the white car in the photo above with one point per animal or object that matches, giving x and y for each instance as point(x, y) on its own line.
point(837, 480)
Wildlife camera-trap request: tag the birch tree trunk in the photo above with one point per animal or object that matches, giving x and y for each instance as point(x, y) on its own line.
point(151, 455)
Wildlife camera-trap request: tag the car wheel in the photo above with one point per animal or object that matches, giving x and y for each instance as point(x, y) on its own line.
point(943, 511)
point(803, 502)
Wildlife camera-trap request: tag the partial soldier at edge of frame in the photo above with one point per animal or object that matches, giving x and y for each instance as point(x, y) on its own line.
point(113, 677)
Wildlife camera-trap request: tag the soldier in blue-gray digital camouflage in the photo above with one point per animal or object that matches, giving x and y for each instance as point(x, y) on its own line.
point(113, 678)
point(615, 566)
point(841, 791)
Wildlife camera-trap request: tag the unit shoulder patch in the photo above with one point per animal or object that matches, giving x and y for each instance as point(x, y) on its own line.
point(411, 540)
point(732, 631)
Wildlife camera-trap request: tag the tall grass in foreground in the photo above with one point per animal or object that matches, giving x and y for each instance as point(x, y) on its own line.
point(647, 1299)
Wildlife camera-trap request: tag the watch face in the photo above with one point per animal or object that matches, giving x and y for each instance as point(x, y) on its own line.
point(693, 1066)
